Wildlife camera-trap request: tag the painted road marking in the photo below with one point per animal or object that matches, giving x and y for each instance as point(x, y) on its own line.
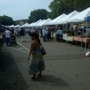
point(23, 46)
point(18, 50)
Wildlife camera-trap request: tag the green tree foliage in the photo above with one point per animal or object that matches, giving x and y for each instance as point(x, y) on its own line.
point(6, 20)
point(35, 15)
point(54, 6)
point(66, 6)
point(81, 4)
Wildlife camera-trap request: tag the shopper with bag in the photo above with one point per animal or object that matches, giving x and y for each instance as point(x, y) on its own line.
point(37, 64)
point(22, 34)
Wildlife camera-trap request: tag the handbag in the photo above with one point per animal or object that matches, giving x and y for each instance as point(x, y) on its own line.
point(43, 50)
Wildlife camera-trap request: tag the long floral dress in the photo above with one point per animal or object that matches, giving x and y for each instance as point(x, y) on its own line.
point(37, 63)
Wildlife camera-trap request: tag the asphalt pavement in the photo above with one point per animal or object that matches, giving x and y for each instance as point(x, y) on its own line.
point(67, 68)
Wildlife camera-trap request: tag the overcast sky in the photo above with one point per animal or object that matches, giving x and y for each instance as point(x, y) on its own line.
point(20, 9)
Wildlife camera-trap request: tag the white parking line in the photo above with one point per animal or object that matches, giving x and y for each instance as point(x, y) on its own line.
point(23, 46)
point(18, 50)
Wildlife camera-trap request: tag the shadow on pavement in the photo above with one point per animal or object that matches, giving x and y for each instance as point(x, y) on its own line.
point(10, 76)
point(52, 81)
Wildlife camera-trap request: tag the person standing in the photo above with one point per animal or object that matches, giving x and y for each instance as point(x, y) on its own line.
point(7, 37)
point(44, 34)
point(22, 33)
point(37, 64)
point(59, 35)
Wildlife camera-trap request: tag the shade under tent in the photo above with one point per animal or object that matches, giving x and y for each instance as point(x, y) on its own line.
point(82, 17)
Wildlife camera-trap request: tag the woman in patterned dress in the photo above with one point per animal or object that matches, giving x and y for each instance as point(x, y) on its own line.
point(37, 64)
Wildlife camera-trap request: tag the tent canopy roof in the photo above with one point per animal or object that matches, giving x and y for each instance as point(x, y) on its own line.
point(40, 23)
point(47, 21)
point(25, 25)
point(56, 19)
point(81, 16)
point(64, 20)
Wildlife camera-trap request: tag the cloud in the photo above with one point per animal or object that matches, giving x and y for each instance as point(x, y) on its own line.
point(20, 9)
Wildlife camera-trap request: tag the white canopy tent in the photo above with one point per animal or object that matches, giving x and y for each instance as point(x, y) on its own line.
point(81, 16)
point(30, 25)
point(17, 26)
point(47, 21)
point(35, 24)
point(53, 22)
point(12, 26)
point(40, 23)
point(66, 18)
point(26, 25)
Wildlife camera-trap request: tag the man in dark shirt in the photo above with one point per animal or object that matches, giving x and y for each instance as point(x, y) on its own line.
point(22, 34)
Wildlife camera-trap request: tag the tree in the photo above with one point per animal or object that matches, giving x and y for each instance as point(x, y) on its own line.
point(54, 6)
point(66, 6)
point(81, 4)
point(35, 15)
point(6, 20)
point(61, 6)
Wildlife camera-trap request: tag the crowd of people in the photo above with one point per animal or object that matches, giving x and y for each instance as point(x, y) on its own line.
point(37, 64)
point(46, 33)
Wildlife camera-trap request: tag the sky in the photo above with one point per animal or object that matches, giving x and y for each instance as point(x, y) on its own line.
point(20, 9)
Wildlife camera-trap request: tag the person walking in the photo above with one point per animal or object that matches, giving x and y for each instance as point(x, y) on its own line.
point(44, 34)
point(22, 33)
point(59, 35)
point(7, 37)
point(37, 64)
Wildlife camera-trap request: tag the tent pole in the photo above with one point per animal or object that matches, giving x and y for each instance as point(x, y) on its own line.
point(86, 37)
point(82, 37)
point(66, 33)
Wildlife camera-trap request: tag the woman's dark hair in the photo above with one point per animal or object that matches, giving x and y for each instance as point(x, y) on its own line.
point(34, 34)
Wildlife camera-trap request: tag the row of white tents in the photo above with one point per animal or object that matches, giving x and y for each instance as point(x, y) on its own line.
point(73, 17)
point(39, 23)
